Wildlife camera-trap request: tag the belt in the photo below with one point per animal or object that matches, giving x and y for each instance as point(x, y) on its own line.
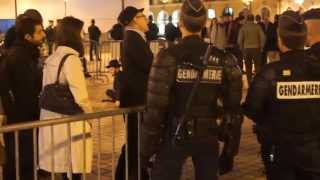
point(195, 127)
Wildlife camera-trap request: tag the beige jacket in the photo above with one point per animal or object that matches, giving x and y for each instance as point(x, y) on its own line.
point(251, 36)
point(72, 75)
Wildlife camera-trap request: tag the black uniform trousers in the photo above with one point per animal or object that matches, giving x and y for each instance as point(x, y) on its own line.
point(301, 162)
point(204, 152)
point(25, 156)
point(132, 142)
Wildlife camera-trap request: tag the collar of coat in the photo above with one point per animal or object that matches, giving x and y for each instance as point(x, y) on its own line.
point(28, 48)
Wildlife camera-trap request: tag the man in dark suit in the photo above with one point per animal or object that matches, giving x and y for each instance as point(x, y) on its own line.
point(94, 36)
point(136, 62)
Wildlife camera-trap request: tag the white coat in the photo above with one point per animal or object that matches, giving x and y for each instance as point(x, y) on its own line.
point(72, 75)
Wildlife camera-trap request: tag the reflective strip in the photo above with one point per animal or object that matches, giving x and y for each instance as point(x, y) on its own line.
point(212, 75)
point(298, 90)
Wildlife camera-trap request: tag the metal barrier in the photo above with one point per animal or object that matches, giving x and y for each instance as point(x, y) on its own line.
point(108, 50)
point(17, 128)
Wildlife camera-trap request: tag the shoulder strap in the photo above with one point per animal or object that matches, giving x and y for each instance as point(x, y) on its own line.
point(64, 58)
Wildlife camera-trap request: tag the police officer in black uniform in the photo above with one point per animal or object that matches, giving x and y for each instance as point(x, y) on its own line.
point(312, 20)
point(285, 96)
point(171, 81)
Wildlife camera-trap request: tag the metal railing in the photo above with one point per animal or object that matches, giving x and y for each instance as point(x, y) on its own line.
point(108, 50)
point(97, 116)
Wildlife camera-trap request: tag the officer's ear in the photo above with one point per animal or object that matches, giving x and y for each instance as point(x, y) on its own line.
point(283, 48)
point(28, 37)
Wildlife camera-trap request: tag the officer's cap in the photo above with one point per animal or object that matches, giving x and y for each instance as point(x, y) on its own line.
point(193, 8)
point(291, 21)
point(127, 15)
point(312, 14)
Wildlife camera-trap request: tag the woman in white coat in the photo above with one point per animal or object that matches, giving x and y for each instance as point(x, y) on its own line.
point(68, 41)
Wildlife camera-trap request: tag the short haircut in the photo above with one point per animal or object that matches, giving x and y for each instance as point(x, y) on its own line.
point(93, 21)
point(26, 25)
point(292, 30)
point(193, 23)
point(68, 34)
point(34, 14)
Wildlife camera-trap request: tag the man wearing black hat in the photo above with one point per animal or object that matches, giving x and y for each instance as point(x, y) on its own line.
point(285, 98)
point(114, 93)
point(312, 20)
point(136, 63)
point(172, 80)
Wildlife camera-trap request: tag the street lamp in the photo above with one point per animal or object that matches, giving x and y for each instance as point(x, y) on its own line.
point(248, 3)
point(15, 8)
point(65, 7)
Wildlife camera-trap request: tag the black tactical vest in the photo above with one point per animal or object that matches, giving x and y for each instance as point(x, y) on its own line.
point(295, 100)
point(204, 103)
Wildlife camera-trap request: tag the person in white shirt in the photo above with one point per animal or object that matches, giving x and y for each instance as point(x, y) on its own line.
point(68, 41)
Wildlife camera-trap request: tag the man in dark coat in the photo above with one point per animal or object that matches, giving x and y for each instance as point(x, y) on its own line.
point(136, 63)
point(94, 36)
point(171, 31)
point(24, 85)
point(50, 36)
point(152, 34)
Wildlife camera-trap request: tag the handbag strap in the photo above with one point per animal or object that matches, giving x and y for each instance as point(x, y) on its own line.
point(64, 58)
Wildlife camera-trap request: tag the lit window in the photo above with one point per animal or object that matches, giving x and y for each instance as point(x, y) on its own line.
point(211, 13)
point(162, 20)
point(228, 10)
point(175, 17)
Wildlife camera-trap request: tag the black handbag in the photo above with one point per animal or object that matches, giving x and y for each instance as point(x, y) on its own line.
point(58, 98)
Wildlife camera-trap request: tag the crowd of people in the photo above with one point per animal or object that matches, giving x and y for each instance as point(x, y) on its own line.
point(192, 91)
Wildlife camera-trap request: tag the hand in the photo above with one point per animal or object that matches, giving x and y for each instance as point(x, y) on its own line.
point(117, 103)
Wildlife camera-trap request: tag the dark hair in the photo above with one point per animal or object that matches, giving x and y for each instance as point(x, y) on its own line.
point(93, 21)
point(192, 20)
point(25, 25)
point(292, 30)
point(68, 34)
point(34, 14)
point(258, 17)
point(250, 17)
point(150, 18)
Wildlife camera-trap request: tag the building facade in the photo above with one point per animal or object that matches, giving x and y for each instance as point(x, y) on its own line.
point(162, 9)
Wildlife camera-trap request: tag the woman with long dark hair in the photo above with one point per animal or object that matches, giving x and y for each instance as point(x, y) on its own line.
point(69, 45)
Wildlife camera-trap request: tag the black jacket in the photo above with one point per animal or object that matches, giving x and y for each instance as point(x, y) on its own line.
point(94, 33)
point(136, 65)
point(171, 32)
point(152, 34)
point(24, 79)
point(50, 34)
point(118, 83)
point(167, 90)
point(116, 32)
point(10, 37)
point(285, 96)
